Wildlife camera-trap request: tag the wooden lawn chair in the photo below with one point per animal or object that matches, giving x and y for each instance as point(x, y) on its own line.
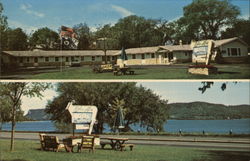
point(52, 142)
point(41, 136)
point(88, 142)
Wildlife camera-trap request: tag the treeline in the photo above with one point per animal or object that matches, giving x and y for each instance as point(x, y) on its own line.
point(207, 111)
point(202, 19)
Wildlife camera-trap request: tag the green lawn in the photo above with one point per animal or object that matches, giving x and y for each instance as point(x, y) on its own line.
point(29, 151)
point(226, 71)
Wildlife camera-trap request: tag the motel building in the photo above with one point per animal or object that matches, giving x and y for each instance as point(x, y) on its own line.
point(232, 50)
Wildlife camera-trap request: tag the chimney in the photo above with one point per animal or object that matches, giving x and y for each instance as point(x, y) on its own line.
point(180, 42)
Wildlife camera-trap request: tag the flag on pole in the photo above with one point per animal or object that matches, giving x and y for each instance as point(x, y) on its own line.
point(68, 38)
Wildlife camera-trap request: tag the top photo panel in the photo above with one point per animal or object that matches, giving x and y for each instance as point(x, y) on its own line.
point(126, 39)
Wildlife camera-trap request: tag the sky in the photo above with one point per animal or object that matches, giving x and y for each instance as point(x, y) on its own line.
point(173, 91)
point(33, 14)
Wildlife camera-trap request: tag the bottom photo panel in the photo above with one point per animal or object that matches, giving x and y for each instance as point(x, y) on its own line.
point(140, 120)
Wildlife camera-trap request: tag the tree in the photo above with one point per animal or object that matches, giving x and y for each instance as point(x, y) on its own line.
point(240, 28)
point(141, 105)
point(3, 28)
point(16, 39)
point(210, 16)
point(46, 38)
point(84, 36)
point(13, 93)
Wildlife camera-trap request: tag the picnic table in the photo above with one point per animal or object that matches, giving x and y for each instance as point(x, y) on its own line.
point(117, 143)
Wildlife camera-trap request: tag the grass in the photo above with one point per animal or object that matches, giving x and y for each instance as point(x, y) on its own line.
point(29, 151)
point(226, 71)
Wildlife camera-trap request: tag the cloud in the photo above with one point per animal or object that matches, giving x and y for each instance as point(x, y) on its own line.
point(26, 28)
point(37, 103)
point(28, 10)
point(124, 12)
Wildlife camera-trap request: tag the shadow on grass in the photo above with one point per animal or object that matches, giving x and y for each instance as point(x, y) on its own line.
point(225, 72)
point(229, 155)
point(15, 160)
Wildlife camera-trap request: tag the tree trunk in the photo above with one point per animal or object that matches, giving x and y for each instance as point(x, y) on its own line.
point(13, 126)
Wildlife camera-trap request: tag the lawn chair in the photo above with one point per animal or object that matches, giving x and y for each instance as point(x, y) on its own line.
point(88, 142)
point(41, 136)
point(52, 143)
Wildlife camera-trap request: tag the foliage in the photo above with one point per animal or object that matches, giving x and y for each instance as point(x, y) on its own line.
point(84, 36)
point(240, 28)
point(138, 103)
point(3, 28)
point(13, 91)
point(16, 40)
point(207, 111)
point(46, 38)
point(207, 17)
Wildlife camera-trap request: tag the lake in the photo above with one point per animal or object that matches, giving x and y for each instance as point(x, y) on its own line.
point(238, 126)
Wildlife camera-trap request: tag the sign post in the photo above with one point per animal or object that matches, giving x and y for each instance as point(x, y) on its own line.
point(82, 116)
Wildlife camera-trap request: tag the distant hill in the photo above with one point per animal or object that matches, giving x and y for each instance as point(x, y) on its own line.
point(37, 114)
point(207, 111)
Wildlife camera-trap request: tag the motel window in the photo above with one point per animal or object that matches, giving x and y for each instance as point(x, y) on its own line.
point(103, 58)
point(28, 60)
point(234, 51)
point(186, 53)
point(72, 58)
point(142, 56)
point(82, 58)
point(35, 59)
point(47, 59)
point(133, 56)
point(21, 60)
point(56, 59)
point(93, 58)
point(67, 59)
point(108, 58)
point(152, 55)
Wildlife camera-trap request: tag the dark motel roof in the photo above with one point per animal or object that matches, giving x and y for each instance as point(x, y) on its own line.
point(58, 53)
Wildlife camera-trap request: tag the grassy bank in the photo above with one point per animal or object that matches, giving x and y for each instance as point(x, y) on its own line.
point(29, 151)
point(226, 71)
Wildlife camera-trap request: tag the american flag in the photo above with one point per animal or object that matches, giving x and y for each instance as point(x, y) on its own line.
point(68, 38)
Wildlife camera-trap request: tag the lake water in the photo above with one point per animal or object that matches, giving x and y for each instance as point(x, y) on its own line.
point(240, 126)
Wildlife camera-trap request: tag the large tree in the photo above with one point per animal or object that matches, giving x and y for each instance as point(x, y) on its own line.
point(208, 17)
point(241, 28)
point(13, 92)
point(141, 105)
point(45, 38)
point(16, 39)
point(3, 28)
point(84, 36)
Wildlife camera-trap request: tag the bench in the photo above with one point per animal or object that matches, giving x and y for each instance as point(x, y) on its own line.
point(105, 143)
point(127, 145)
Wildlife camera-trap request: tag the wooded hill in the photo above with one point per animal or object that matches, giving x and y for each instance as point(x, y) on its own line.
point(183, 111)
point(207, 111)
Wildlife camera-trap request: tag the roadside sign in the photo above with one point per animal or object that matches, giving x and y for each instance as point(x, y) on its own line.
point(83, 116)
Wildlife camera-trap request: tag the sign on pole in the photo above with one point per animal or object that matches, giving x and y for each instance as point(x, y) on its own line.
point(83, 116)
point(202, 51)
